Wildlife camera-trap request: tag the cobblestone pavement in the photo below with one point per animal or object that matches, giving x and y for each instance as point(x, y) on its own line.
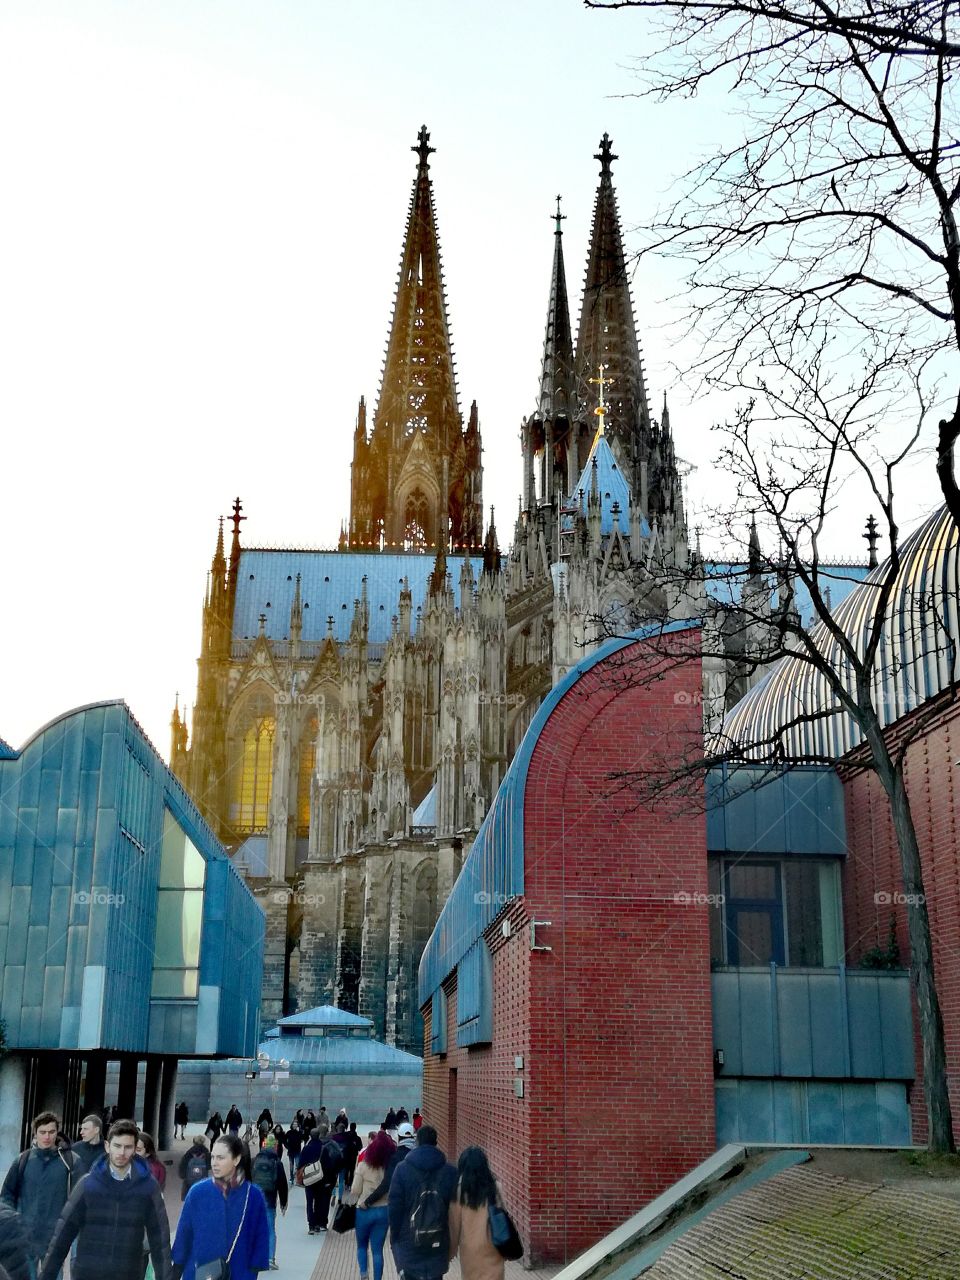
point(807, 1225)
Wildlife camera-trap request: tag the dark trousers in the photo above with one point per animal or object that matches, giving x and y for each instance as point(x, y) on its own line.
point(318, 1204)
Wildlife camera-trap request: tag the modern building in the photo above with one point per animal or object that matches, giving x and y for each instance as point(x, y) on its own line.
point(126, 935)
point(629, 974)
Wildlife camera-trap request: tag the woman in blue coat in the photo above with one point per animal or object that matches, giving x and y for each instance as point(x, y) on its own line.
point(223, 1212)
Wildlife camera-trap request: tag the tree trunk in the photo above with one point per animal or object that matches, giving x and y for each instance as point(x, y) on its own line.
point(939, 1116)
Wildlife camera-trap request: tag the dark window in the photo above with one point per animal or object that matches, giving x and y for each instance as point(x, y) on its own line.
point(783, 911)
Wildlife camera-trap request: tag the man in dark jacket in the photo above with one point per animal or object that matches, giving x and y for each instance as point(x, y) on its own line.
point(108, 1213)
point(234, 1120)
point(269, 1175)
point(90, 1147)
point(294, 1143)
point(38, 1183)
point(194, 1165)
point(14, 1253)
point(421, 1190)
point(318, 1195)
point(181, 1118)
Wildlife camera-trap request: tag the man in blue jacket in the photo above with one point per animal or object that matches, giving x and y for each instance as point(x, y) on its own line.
point(38, 1183)
point(420, 1194)
point(108, 1213)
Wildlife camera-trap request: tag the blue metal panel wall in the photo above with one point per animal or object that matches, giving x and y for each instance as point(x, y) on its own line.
point(754, 809)
point(821, 1023)
point(795, 1111)
point(475, 996)
point(438, 1021)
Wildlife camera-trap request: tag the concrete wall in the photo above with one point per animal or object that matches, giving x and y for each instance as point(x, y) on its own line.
point(210, 1086)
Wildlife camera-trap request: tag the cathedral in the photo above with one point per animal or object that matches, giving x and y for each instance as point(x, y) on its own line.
point(357, 709)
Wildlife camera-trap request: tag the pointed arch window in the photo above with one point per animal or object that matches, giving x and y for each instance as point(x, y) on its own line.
point(416, 521)
point(308, 759)
point(252, 772)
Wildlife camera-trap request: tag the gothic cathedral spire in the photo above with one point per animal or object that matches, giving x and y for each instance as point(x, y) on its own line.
point(419, 473)
point(607, 333)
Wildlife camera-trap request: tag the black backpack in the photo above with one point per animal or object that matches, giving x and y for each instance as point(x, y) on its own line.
point(429, 1225)
point(265, 1173)
point(331, 1158)
point(197, 1169)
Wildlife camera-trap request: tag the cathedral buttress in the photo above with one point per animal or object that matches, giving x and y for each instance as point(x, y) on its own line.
point(419, 471)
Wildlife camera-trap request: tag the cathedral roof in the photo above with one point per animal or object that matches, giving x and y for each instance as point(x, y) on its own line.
point(425, 814)
point(612, 487)
point(921, 630)
point(330, 582)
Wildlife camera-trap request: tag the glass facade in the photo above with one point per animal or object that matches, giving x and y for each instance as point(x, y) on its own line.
point(783, 911)
point(176, 965)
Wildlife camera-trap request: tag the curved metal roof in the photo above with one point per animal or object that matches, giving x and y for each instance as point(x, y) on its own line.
point(913, 661)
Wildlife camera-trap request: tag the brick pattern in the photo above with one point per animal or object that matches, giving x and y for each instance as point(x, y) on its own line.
point(615, 1019)
point(873, 871)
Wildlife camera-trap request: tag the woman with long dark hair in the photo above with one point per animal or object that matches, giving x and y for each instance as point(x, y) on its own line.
point(469, 1220)
point(372, 1212)
point(147, 1150)
point(224, 1217)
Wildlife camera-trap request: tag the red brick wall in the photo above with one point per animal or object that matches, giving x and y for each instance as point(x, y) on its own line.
point(873, 869)
point(614, 1023)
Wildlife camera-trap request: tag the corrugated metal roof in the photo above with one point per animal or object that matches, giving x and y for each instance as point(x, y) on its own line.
point(921, 629)
point(6, 751)
point(334, 1054)
point(725, 582)
point(612, 487)
point(325, 1015)
point(330, 582)
point(493, 872)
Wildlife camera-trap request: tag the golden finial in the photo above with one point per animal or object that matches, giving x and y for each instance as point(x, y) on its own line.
point(601, 408)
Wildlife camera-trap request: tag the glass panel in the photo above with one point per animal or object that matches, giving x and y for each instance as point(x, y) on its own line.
point(177, 942)
point(715, 911)
point(182, 866)
point(755, 880)
point(173, 984)
point(804, 922)
point(751, 937)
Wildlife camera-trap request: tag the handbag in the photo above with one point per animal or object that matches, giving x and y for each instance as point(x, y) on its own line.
point(311, 1173)
point(503, 1233)
point(345, 1219)
point(219, 1268)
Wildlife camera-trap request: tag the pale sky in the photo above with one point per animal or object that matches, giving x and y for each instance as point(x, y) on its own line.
point(201, 222)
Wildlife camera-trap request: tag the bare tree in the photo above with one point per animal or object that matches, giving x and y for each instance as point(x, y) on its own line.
point(795, 453)
point(838, 205)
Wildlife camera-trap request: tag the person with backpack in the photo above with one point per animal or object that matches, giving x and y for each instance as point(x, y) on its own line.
point(38, 1184)
point(470, 1220)
point(421, 1191)
point(194, 1165)
point(269, 1175)
point(326, 1154)
point(371, 1202)
point(14, 1250)
point(108, 1214)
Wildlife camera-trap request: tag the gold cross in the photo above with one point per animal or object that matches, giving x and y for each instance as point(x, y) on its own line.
point(601, 408)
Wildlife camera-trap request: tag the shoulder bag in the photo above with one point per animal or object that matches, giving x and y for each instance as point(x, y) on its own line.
point(504, 1235)
point(310, 1174)
point(219, 1268)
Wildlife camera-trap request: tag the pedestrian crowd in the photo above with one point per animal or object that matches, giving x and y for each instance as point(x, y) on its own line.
point(100, 1200)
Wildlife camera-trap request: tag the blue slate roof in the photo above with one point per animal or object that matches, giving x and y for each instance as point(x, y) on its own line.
point(325, 1015)
point(725, 582)
point(494, 871)
point(334, 1054)
point(425, 814)
point(612, 488)
point(330, 582)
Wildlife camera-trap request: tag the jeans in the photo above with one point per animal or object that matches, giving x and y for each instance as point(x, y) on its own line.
point(272, 1224)
point(372, 1230)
